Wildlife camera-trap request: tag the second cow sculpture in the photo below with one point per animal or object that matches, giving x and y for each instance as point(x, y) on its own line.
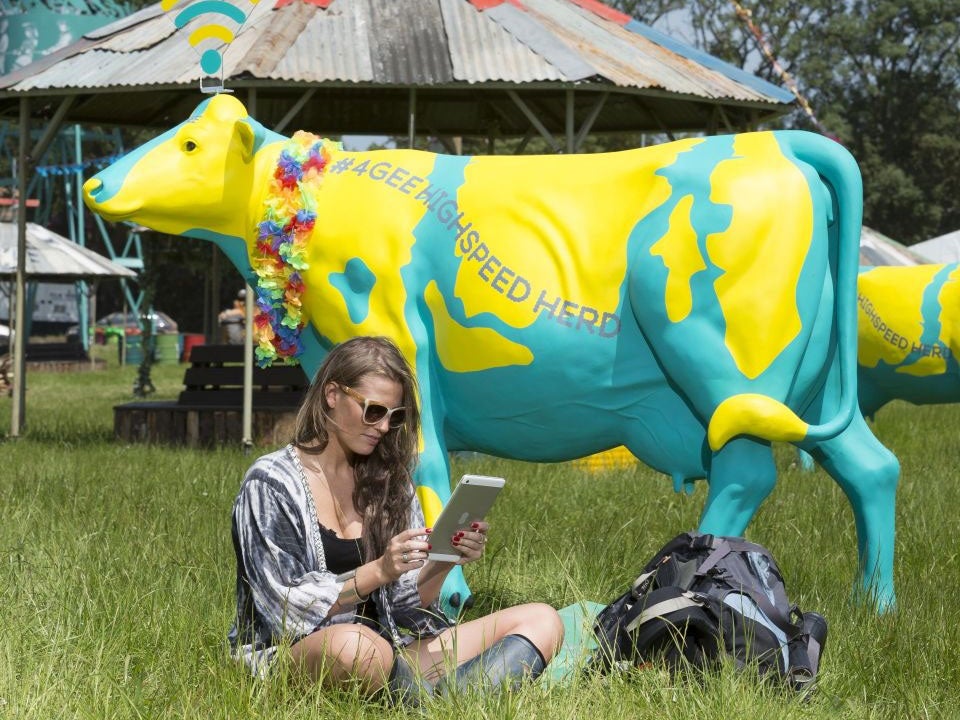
point(692, 301)
point(909, 335)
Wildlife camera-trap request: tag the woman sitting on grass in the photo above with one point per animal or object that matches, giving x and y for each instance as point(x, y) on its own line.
point(332, 550)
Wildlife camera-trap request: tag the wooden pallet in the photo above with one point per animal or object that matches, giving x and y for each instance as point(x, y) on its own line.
point(169, 423)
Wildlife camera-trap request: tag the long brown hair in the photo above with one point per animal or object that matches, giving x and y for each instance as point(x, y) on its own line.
point(383, 480)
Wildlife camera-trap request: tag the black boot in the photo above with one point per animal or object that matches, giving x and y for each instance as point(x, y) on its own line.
point(406, 687)
point(506, 664)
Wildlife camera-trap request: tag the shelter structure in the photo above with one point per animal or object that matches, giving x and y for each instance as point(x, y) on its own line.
point(485, 68)
point(558, 69)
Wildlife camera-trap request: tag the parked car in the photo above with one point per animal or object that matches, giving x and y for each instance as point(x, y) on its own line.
point(6, 335)
point(116, 324)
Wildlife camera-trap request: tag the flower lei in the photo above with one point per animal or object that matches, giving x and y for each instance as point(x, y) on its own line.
point(279, 255)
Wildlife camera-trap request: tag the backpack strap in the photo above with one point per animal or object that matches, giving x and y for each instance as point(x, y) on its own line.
point(640, 584)
point(724, 546)
point(676, 626)
point(664, 607)
point(721, 548)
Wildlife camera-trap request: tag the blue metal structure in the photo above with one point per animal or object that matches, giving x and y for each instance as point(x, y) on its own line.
point(29, 29)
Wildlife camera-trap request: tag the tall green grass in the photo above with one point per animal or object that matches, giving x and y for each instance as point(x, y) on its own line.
point(117, 574)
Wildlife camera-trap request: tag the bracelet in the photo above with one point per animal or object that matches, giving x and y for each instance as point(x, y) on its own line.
point(356, 590)
point(351, 595)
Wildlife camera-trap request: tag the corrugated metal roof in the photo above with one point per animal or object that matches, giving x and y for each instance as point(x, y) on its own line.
point(481, 50)
point(530, 33)
point(332, 47)
point(359, 57)
point(414, 42)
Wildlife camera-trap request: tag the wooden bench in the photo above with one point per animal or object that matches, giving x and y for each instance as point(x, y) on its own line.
point(215, 377)
point(209, 409)
point(55, 352)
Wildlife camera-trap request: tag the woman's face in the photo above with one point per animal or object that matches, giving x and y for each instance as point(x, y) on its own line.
point(346, 412)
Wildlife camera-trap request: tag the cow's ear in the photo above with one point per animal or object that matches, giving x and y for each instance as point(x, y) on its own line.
point(247, 139)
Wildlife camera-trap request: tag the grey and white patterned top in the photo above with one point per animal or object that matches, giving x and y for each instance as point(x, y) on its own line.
point(284, 590)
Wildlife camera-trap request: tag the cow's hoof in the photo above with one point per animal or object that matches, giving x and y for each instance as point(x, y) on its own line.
point(460, 604)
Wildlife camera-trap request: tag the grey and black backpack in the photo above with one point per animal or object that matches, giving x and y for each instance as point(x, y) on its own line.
point(702, 597)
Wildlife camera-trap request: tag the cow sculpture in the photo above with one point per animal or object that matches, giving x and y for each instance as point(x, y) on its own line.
point(693, 301)
point(909, 335)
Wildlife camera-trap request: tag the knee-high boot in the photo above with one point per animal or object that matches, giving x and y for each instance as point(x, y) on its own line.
point(405, 686)
point(506, 664)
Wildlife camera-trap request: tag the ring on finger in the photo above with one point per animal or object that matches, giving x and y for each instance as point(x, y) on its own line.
point(404, 557)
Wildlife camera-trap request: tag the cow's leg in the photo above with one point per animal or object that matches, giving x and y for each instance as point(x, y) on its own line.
point(805, 459)
point(868, 474)
point(741, 476)
point(432, 478)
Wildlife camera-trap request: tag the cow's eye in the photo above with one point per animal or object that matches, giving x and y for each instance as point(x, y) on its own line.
point(189, 146)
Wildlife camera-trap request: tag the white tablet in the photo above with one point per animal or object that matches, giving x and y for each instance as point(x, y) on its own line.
point(471, 500)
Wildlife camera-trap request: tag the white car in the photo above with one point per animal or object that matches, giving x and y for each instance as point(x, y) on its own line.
point(6, 335)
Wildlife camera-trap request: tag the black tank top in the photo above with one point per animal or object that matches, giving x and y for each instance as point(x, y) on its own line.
point(343, 555)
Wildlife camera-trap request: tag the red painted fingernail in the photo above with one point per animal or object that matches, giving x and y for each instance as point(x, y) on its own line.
point(429, 546)
point(475, 525)
point(429, 530)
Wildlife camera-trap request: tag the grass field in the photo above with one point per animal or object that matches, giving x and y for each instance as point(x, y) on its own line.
point(116, 576)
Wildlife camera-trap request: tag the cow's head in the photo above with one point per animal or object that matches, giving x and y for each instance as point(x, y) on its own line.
point(196, 176)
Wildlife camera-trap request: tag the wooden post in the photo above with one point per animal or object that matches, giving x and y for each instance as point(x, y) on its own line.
point(18, 416)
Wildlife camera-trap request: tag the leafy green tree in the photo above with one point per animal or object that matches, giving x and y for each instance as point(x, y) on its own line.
point(881, 76)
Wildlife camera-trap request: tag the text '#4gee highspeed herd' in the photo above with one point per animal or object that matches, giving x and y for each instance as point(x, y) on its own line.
point(693, 301)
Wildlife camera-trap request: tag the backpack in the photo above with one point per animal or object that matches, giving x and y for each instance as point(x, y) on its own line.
point(703, 597)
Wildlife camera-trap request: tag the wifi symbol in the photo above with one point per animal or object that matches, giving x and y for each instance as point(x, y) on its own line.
point(210, 60)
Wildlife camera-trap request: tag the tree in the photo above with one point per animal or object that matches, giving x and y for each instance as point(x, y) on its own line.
point(882, 76)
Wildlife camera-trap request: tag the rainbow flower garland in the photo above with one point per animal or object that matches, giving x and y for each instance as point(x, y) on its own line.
point(279, 255)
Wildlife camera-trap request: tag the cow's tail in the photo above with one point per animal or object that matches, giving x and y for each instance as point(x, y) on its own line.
point(765, 417)
point(757, 415)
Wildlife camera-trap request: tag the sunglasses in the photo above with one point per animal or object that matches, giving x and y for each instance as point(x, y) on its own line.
point(374, 412)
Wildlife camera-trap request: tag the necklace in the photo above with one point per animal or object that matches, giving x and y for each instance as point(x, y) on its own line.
point(341, 518)
point(339, 511)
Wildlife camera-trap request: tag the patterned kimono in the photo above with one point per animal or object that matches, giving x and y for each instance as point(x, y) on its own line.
point(284, 589)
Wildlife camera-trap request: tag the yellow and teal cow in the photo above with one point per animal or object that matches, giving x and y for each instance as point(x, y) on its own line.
point(693, 301)
point(909, 335)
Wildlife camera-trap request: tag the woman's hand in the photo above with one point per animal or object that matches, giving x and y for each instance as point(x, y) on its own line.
point(470, 542)
point(404, 552)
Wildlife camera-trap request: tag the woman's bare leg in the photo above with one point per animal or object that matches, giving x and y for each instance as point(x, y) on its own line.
point(337, 653)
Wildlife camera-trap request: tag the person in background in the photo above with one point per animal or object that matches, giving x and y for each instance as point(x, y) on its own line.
point(331, 550)
point(232, 321)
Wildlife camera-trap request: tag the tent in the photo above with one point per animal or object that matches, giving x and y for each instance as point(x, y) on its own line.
point(942, 249)
point(54, 258)
point(877, 249)
point(49, 257)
